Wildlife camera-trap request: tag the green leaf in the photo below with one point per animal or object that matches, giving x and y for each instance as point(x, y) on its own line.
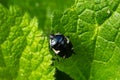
point(93, 27)
point(23, 55)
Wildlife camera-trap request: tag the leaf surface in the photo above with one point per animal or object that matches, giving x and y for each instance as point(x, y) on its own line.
point(23, 55)
point(93, 28)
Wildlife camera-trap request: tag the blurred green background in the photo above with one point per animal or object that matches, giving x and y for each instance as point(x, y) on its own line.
point(42, 9)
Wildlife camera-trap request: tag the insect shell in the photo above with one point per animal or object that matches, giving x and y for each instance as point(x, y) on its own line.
point(61, 45)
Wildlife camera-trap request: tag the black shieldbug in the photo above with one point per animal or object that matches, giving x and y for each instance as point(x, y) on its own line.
point(61, 45)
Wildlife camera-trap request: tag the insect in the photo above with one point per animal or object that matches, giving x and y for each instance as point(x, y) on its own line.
point(61, 45)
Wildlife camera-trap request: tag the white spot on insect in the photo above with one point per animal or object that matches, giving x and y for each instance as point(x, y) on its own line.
point(56, 51)
point(67, 40)
point(53, 42)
